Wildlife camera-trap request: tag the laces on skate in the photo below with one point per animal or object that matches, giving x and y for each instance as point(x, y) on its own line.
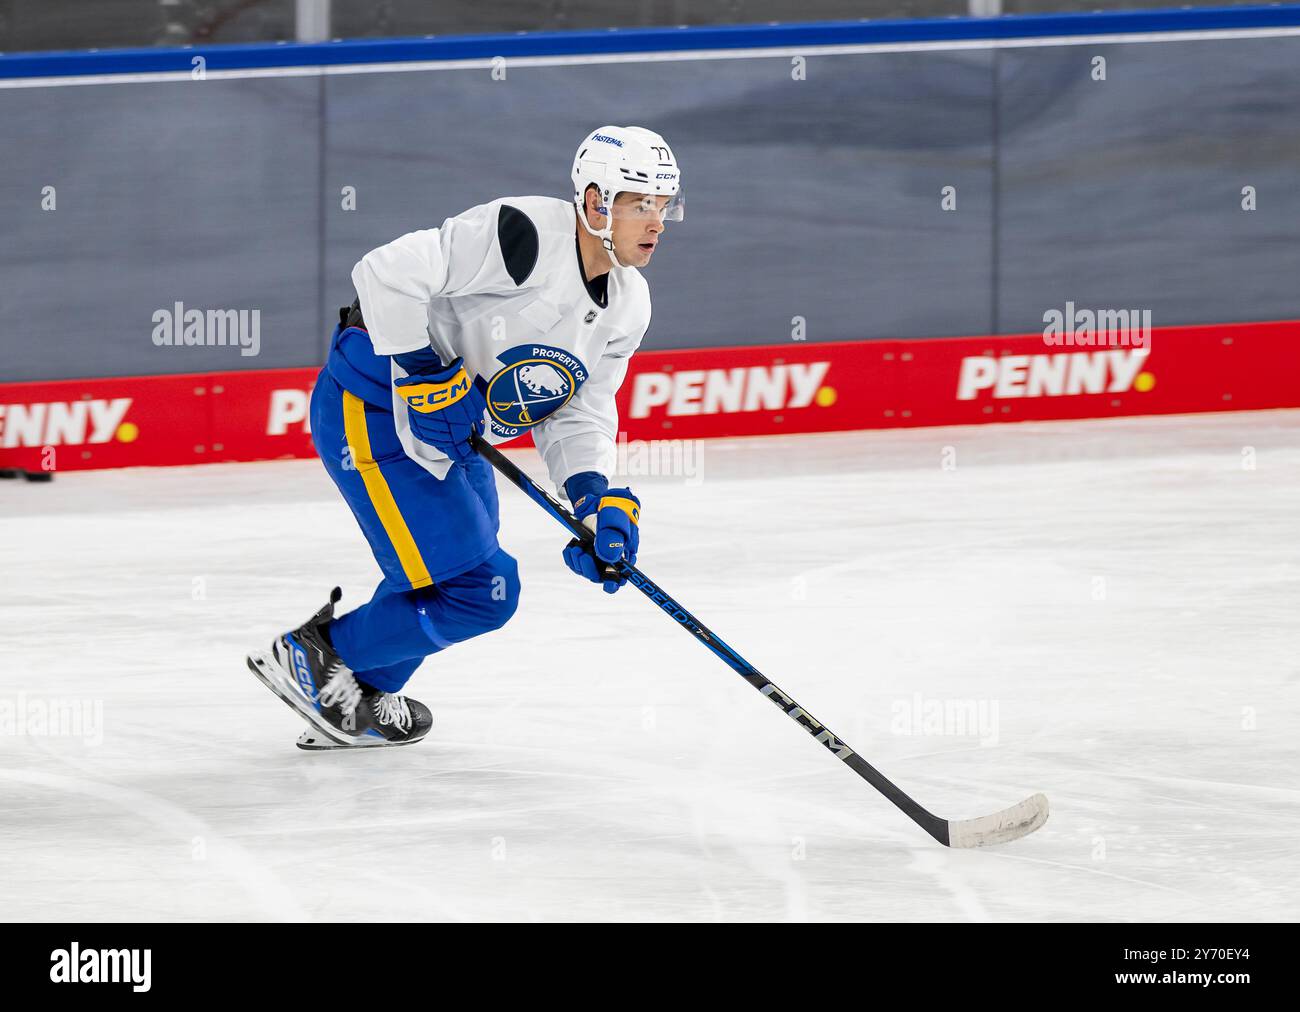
point(392, 709)
point(342, 690)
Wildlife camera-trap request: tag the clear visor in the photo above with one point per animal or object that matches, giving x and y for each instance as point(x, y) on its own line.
point(644, 206)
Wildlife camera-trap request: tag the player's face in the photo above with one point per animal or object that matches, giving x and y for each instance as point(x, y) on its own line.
point(638, 226)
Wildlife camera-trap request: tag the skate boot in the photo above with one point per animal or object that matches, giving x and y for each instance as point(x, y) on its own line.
point(302, 669)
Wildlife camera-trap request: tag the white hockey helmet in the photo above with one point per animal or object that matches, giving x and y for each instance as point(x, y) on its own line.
point(625, 160)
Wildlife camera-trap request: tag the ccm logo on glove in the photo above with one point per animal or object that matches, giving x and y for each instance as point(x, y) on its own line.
point(446, 408)
point(428, 397)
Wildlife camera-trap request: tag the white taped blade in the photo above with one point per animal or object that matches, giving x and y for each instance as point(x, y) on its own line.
point(1000, 827)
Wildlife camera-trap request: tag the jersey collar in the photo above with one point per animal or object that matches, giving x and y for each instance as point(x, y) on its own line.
point(598, 287)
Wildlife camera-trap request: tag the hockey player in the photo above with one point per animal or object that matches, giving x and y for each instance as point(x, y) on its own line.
point(517, 315)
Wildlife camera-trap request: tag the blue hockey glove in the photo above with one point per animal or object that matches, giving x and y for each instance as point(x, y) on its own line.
point(444, 408)
point(614, 515)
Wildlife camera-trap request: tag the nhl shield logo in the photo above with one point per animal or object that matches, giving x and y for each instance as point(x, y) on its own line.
point(536, 380)
point(591, 315)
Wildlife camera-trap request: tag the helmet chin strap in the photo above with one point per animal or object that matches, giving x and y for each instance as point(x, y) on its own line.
point(606, 237)
point(608, 243)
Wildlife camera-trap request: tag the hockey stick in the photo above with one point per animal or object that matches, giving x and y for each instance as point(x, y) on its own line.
point(1000, 827)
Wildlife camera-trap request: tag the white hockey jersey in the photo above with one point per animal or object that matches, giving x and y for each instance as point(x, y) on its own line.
point(502, 286)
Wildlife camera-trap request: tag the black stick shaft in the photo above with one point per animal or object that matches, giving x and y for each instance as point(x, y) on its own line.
point(932, 824)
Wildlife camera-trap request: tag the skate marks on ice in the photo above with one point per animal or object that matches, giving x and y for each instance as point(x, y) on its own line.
point(266, 895)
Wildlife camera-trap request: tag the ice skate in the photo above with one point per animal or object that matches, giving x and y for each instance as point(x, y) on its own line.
point(303, 670)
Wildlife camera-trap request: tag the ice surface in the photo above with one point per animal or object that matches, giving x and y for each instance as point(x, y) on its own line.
point(1125, 593)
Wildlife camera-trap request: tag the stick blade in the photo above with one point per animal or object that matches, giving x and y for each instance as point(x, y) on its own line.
point(1000, 827)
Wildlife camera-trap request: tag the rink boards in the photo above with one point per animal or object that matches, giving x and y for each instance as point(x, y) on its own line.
point(687, 394)
point(861, 198)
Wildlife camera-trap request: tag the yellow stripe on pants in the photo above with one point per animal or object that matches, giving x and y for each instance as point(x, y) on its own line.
point(381, 496)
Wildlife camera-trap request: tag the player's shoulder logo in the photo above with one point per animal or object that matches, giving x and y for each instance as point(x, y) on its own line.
point(535, 380)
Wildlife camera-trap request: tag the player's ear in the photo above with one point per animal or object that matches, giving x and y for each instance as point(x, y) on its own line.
point(593, 206)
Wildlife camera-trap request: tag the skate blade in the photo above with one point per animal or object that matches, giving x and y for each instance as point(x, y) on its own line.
point(310, 741)
point(267, 670)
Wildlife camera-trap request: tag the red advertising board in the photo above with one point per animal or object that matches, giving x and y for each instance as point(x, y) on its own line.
point(686, 394)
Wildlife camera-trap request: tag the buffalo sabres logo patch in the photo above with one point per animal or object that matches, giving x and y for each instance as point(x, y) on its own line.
point(535, 380)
